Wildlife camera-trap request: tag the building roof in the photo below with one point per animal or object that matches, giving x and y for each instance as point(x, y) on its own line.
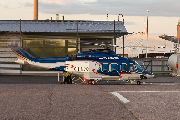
point(62, 26)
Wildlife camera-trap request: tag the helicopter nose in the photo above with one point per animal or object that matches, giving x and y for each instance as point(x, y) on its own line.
point(148, 74)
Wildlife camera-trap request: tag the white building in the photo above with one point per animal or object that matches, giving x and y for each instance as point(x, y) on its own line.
point(137, 43)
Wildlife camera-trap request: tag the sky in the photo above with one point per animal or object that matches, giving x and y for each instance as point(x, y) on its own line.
point(163, 15)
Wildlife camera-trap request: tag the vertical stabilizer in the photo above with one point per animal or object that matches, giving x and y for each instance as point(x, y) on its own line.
point(18, 51)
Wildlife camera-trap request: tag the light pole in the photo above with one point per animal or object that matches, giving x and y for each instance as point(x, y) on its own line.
point(147, 34)
point(123, 34)
point(77, 42)
point(20, 46)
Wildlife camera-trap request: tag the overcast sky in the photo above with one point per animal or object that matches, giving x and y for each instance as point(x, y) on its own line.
point(163, 15)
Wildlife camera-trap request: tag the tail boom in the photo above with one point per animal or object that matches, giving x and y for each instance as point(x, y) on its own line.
point(47, 63)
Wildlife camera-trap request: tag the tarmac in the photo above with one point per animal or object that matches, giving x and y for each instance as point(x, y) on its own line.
point(44, 98)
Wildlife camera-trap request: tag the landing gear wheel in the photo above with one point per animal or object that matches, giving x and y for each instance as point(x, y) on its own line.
point(138, 82)
point(92, 82)
point(89, 82)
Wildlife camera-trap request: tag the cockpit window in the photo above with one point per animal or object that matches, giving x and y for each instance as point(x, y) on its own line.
point(140, 69)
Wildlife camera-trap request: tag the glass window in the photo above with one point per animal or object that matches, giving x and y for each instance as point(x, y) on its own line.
point(123, 67)
point(105, 67)
point(140, 69)
point(54, 43)
point(55, 52)
point(113, 67)
point(33, 43)
point(131, 67)
point(72, 51)
point(72, 43)
point(37, 51)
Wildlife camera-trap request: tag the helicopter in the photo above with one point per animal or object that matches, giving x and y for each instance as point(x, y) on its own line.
point(93, 65)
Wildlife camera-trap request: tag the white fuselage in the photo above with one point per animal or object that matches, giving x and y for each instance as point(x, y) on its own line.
point(84, 68)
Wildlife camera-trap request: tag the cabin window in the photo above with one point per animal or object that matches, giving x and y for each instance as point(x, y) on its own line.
point(140, 69)
point(123, 67)
point(114, 67)
point(131, 67)
point(105, 67)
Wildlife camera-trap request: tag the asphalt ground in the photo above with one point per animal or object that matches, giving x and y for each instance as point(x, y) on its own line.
point(43, 98)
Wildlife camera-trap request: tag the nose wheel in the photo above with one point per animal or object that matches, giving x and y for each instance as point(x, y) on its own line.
point(138, 82)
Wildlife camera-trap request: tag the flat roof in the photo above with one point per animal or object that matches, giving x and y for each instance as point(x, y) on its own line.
point(59, 26)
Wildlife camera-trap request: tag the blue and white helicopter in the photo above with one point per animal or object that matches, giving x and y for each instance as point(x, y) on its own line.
point(94, 65)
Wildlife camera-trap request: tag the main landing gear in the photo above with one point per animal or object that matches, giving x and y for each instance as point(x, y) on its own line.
point(138, 82)
point(92, 82)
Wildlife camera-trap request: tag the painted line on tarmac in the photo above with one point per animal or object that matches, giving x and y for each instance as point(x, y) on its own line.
point(160, 83)
point(123, 99)
point(146, 91)
point(120, 97)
